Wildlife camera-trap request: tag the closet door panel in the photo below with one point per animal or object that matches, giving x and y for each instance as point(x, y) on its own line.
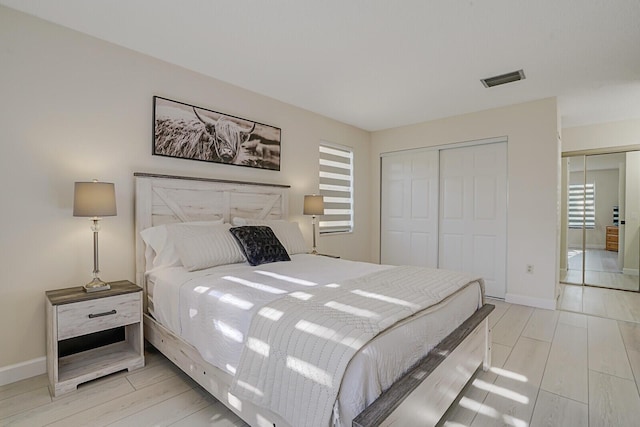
point(409, 209)
point(484, 248)
point(473, 206)
point(451, 248)
point(447, 208)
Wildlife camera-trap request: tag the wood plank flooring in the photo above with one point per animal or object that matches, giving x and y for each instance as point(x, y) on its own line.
point(609, 303)
point(549, 368)
point(601, 269)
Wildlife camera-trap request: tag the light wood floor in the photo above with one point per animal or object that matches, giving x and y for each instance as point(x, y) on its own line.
point(550, 368)
point(601, 269)
point(613, 304)
point(596, 260)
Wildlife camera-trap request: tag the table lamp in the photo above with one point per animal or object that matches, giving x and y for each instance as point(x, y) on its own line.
point(95, 200)
point(313, 205)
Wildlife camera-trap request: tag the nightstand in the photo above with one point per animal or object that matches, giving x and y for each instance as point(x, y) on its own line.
point(78, 326)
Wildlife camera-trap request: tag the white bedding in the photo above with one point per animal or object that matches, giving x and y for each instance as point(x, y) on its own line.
point(212, 310)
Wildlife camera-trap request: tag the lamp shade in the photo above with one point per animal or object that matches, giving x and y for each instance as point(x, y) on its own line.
point(313, 205)
point(94, 199)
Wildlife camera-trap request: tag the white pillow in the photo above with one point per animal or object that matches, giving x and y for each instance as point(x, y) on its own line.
point(157, 238)
point(287, 232)
point(216, 247)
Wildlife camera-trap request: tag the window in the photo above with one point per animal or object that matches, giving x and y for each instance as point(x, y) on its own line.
point(582, 206)
point(336, 185)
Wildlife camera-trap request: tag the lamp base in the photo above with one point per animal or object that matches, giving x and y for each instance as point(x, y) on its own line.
point(96, 285)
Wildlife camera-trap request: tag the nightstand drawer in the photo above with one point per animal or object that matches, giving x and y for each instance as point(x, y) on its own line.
point(95, 315)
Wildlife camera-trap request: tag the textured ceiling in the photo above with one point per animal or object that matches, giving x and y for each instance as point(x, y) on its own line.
point(378, 64)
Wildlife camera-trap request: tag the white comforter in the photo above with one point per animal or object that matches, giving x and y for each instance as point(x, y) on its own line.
point(212, 309)
point(301, 357)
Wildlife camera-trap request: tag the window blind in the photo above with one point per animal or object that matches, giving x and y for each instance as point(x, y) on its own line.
point(336, 187)
point(582, 206)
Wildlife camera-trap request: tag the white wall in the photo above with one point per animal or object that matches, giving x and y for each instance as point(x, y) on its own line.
point(601, 135)
point(74, 108)
point(533, 156)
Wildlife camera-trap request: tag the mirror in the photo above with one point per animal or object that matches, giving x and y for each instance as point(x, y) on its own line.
point(601, 220)
point(572, 264)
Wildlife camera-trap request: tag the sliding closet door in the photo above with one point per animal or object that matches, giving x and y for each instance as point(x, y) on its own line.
point(473, 213)
point(409, 209)
point(602, 221)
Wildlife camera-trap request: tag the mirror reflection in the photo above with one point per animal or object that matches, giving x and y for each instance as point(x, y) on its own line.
point(601, 212)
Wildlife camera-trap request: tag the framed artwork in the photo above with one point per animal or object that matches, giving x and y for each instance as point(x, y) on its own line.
point(195, 133)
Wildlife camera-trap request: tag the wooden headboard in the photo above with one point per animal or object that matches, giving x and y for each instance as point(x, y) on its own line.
point(163, 199)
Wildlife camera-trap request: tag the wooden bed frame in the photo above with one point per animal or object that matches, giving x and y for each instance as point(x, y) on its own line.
point(419, 398)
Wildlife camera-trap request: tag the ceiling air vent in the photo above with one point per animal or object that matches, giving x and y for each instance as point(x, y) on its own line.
point(503, 79)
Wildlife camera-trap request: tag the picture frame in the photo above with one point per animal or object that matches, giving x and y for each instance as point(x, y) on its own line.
point(190, 132)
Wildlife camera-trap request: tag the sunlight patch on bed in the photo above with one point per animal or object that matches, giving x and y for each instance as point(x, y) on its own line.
point(332, 285)
point(310, 371)
point(234, 401)
point(345, 308)
point(193, 312)
point(287, 278)
point(228, 331)
point(501, 391)
point(231, 369)
point(259, 346)
point(301, 295)
point(509, 374)
point(385, 298)
point(236, 302)
point(317, 330)
point(201, 289)
point(250, 388)
point(327, 333)
point(215, 293)
point(258, 286)
point(263, 422)
point(271, 313)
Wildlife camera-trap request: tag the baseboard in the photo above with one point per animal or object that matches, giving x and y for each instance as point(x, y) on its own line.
point(23, 370)
point(548, 304)
point(631, 271)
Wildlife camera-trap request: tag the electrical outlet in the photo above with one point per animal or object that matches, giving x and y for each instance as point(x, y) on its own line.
point(530, 268)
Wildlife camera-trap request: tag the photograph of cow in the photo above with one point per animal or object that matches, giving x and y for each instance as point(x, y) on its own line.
point(189, 132)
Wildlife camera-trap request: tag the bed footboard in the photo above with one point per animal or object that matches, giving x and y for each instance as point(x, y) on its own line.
point(212, 379)
point(423, 395)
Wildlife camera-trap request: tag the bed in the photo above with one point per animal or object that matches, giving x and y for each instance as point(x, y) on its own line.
point(416, 389)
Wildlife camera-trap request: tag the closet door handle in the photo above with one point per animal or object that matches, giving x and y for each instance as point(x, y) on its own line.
point(106, 313)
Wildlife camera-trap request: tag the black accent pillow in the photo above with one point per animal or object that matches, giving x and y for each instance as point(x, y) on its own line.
point(259, 244)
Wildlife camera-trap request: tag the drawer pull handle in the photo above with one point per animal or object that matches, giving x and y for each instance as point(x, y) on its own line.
point(106, 313)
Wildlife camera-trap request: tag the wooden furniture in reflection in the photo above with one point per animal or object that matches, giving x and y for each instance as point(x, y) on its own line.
point(612, 238)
